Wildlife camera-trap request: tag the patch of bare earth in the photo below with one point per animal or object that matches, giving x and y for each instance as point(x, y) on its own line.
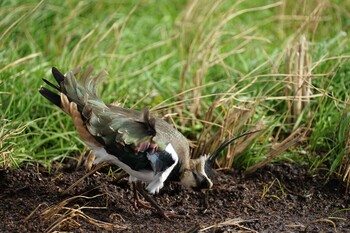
point(278, 198)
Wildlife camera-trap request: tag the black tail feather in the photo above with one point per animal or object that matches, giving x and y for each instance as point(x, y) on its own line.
point(53, 97)
point(57, 75)
point(52, 85)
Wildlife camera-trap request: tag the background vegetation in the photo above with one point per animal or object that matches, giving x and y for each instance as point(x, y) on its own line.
point(213, 68)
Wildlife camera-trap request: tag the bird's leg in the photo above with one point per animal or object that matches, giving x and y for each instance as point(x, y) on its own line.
point(138, 203)
point(165, 214)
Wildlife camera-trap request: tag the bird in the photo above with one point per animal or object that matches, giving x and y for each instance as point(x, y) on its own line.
point(146, 147)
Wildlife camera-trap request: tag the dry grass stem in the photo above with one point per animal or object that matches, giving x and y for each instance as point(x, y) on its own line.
point(243, 144)
point(299, 84)
point(96, 168)
point(236, 223)
point(278, 148)
point(344, 168)
point(326, 220)
point(233, 120)
point(62, 216)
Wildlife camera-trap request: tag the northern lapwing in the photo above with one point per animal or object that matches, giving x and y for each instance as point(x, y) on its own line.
point(148, 148)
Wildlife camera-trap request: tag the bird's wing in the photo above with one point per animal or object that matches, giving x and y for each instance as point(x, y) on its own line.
point(129, 137)
point(124, 133)
point(114, 127)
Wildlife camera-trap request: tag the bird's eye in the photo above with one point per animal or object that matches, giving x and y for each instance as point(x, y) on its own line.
point(208, 170)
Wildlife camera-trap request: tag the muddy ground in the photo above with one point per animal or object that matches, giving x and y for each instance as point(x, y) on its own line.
point(279, 198)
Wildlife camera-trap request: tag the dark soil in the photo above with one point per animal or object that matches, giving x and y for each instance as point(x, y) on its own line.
point(279, 198)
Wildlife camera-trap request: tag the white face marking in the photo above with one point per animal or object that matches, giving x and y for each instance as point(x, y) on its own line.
point(203, 159)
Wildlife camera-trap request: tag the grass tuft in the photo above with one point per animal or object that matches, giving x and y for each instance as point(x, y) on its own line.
point(65, 216)
point(212, 68)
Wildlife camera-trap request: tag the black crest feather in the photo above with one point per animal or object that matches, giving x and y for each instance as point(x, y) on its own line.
point(217, 152)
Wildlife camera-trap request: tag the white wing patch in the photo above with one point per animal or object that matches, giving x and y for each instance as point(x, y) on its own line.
point(102, 156)
point(158, 182)
point(155, 182)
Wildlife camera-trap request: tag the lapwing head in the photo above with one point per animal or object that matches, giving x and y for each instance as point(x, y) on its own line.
point(199, 176)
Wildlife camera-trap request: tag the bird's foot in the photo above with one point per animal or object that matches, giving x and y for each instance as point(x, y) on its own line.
point(141, 204)
point(168, 215)
point(153, 204)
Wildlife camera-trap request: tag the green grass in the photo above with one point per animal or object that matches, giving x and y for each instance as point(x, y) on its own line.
point(220, 66)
